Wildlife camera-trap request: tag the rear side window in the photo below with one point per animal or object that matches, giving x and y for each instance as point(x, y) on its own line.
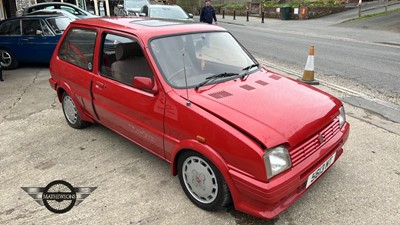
point(78, 48)
point(10, 28)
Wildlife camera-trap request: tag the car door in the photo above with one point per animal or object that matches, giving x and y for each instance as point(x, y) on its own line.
point(36, 41)
point(76, 58)
point(136, 114)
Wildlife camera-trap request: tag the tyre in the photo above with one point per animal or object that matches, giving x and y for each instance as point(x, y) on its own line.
point(8, 60)
point(71, 113)
point(202, 183)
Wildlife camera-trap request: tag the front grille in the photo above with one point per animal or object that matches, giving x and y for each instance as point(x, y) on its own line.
point(307, 148)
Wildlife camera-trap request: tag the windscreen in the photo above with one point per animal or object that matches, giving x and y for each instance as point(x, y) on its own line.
point(187, 60)
point(169, 13)
point(59, 24)
point(135, 3)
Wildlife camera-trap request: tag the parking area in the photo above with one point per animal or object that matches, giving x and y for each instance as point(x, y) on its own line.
point(135, 187)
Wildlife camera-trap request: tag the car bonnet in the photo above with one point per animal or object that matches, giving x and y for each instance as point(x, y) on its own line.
point(271, 108)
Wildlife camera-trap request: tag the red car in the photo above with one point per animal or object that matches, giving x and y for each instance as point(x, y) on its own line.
point(233, 131)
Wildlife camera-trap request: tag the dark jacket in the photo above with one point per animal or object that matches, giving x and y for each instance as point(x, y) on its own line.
point(207, 15)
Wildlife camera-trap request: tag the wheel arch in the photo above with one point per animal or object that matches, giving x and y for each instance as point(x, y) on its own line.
point(64, 88)
point(212, 155)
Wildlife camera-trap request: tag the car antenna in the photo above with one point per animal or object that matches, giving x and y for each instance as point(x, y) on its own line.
point(184, 72)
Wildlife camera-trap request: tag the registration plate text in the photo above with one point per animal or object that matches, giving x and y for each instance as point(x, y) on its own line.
point(320, 170)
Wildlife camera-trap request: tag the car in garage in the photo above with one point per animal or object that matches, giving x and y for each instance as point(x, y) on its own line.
point(235, 132)
point(30, 39)
point(165, 12)
point(73, 9)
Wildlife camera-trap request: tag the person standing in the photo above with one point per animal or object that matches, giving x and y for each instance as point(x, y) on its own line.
point(207, 13)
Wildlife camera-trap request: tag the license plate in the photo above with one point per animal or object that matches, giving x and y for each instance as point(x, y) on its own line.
point(318, 172)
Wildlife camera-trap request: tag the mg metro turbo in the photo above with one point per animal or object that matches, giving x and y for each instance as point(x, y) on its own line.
point(233, 131)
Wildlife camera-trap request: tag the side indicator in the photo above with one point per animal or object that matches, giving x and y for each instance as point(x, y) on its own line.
point(201, 139)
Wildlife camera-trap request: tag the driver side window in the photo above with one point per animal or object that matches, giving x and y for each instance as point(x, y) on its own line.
point(31, 27)
point(123, 59)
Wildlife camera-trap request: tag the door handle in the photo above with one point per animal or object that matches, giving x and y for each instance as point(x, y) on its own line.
point(100, 85)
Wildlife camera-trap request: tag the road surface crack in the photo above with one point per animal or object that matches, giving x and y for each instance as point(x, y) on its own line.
point(23, 92)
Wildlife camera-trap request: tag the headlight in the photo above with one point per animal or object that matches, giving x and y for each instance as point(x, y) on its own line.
point(342, 117)
point(276, 161)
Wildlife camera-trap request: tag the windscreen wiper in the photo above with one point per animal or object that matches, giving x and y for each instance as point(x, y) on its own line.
point(246, 69)
point(213, 77)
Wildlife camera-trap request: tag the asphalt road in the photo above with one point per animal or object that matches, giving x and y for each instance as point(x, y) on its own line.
point(135, 187)
point(367, 66)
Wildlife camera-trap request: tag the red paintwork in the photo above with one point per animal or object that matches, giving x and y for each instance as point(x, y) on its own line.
point(237, 129)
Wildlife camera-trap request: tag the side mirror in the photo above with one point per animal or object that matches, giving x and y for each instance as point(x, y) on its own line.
point(190, 16)
point(145, 84)
point(39, 32)
point(142, 14)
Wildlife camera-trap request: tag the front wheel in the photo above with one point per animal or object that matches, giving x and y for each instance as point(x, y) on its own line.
point(71, 113)
point(202, 182)
point(8, 61)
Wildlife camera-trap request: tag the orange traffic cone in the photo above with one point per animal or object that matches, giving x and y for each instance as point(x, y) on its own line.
point(308, 75)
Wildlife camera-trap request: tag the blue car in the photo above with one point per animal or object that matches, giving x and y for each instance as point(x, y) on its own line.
point(30, 39)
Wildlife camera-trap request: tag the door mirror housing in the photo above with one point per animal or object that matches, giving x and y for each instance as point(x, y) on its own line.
point(145, 84)
point(39, 32)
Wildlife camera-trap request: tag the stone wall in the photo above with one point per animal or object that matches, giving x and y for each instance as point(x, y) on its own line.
point(315, 12)
point(256, 8)
point(271, 12)
point(311, 12)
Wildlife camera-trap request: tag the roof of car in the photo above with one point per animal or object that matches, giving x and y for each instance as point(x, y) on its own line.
point(52, 3)
point(147, 27)
point(163, 6)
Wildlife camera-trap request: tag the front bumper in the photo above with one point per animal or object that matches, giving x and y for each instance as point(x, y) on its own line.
point(267, 200)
